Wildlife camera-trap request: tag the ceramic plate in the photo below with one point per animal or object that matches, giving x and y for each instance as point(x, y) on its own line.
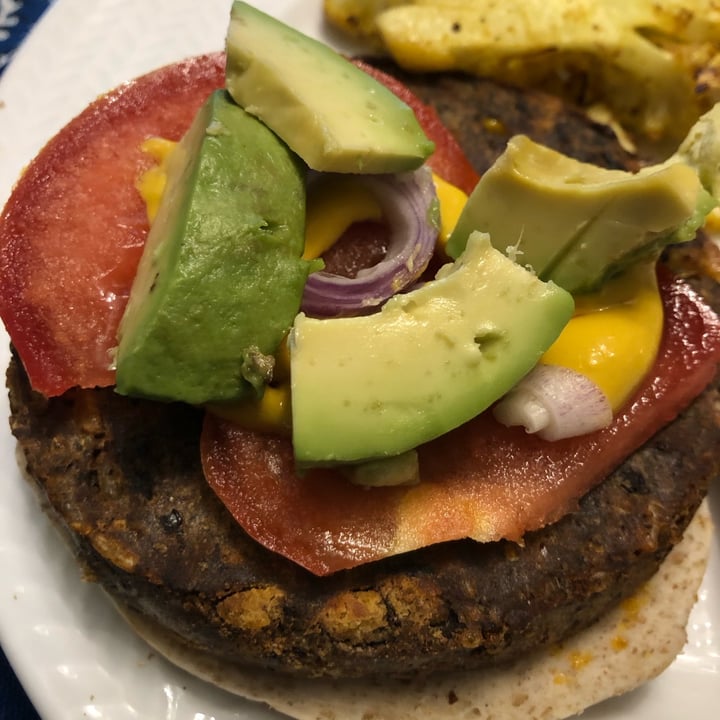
point(73, 654)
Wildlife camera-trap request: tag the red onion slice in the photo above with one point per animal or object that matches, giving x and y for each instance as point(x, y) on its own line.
point(555, 403)
point(410, 207)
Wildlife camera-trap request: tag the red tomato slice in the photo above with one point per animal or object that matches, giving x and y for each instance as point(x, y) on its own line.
point(73, 231)
point(502, 483)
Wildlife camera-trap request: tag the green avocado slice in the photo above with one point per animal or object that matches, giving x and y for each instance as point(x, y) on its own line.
point(331, 113)
point(378, 385)
point(578, 224)
point(221, 276)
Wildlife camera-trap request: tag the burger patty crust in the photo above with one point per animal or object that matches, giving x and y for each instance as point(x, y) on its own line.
point(122, 477)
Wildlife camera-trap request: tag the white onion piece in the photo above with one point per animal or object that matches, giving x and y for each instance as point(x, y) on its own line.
point(409, 206)
point(555, 402)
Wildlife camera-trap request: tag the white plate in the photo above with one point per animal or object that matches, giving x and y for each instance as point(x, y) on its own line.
point(72, 653)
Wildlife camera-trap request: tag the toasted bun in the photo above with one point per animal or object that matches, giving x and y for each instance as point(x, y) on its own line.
point(631, 645)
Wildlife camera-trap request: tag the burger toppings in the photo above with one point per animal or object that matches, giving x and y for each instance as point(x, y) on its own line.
point(369, 393)
point(613, 337)
point(481, 480)
point(381, 376)
point(431, 359)
point(555, 402)
point(572, 223)
point(65, 287)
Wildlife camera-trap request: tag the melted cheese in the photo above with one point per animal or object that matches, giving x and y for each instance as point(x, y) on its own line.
point(151, 184)
point(269, 413)
point(333, 205)
point(452, 200)
point(615, 334)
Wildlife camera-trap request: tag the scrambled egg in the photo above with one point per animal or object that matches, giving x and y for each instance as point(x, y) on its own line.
point(654, 63)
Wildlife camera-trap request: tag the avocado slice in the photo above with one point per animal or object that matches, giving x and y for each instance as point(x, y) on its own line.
point(578, 224)
point(378, 385)
point(331, 113)
point(221, 277)
point(701, 150)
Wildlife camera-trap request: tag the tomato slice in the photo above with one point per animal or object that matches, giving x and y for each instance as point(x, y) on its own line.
point(73, 230)
point(482, 480)
point(72, 233)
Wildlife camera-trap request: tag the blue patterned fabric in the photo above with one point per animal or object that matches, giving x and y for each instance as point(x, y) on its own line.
point(16, 19)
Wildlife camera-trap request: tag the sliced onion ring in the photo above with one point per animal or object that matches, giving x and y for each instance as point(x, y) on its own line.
point(555, 403)
point(409, 206)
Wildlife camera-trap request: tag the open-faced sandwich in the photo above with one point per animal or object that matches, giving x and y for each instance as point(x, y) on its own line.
point(368, 394)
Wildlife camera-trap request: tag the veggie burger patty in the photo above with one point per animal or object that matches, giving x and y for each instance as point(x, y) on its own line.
point(123, 477)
